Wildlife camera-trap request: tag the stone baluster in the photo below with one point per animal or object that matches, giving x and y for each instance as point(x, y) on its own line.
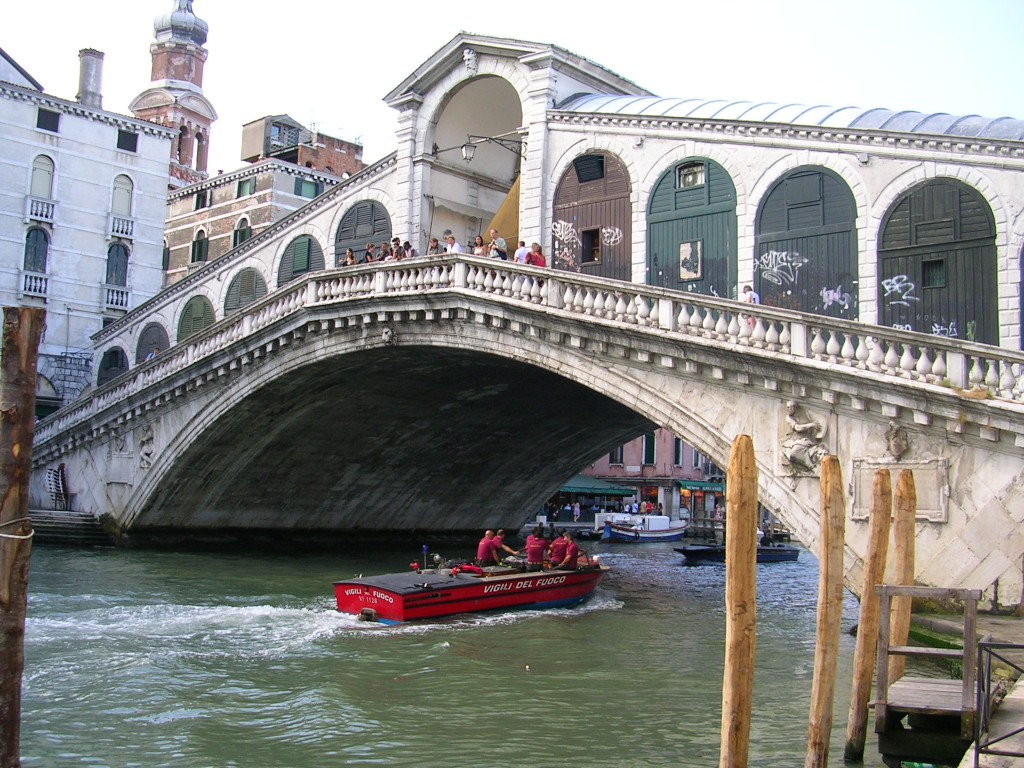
point(588, 303)
point(924, 365)
point(683, 320)
point(721, 327)
point(977, 375)
point(848, 354)
point(832, 347)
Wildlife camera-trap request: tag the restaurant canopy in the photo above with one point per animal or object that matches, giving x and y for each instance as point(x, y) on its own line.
point(592, 486)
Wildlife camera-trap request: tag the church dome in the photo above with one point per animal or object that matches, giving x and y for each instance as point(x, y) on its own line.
point(181, 25)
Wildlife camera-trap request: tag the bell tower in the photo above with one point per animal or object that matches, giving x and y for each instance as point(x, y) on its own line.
point(175, 97)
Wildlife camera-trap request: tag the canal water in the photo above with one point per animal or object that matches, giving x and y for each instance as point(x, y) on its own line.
point(137, 658)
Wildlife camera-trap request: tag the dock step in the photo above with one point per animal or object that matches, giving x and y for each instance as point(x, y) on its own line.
point(67, 527)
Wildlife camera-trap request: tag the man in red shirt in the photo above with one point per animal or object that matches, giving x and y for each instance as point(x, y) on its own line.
point(500, 545)
point(572, 552)
point(557, 549)
point(536, 546)
point(486, 551)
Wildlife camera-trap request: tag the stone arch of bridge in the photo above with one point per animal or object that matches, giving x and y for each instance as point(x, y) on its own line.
point(502, 421)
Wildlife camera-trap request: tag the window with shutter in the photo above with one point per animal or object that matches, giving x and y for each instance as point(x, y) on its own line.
point(37, 248)
point(197, 315)
point(117, 265)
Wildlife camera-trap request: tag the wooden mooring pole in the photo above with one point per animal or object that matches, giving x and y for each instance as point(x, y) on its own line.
point(905, 502)
point(830, 612)
point(867, 628)
point(21, 331)
point(740, 603)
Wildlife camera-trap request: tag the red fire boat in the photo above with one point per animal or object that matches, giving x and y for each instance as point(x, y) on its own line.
point(445, 590)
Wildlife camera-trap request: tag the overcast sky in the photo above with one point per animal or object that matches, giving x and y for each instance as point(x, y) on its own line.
point(325, 62)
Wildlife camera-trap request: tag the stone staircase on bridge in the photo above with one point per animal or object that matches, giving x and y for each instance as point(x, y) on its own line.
point(62, 526)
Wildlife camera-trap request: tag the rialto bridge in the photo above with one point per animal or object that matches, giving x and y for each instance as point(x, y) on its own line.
point(292, 397)
point(454, 392)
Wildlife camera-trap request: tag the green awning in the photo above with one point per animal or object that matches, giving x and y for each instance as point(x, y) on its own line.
point(592, 486)
point(700, 485)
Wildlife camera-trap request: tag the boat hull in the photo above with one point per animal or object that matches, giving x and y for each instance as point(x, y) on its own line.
point(412, 596)
point(715, 553)
point(634, 535)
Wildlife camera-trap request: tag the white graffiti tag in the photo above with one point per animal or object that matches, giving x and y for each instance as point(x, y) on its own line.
point(611, 235)
point(949, 331)
point(837, 296)
point(899, 286)
point(780, 267)
point(565, 232)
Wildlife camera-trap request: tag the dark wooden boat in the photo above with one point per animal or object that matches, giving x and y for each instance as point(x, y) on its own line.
point(715, 553)
point(430, 593)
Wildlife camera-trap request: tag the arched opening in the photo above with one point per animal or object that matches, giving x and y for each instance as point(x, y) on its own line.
point(152, 341)
point(121, 199)
point(937, 263)
point(591, 230)
point(365, 222)
point(469, 196)
point(37, 249)
point(302, 255)
point(42, 178)
point(117, 264)
point(806, 244)
point(691, 229)
point(197, 315)
point(245, 287)
point(113, 363)
point(241, 233)
point(200, 247)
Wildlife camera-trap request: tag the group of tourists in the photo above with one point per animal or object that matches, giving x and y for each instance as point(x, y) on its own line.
point(397, 249)
point(561, 554)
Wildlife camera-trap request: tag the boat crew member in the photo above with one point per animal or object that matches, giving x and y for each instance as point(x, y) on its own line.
point(556, 551)
point(486, 552)
point(536, 546)
point(501, 546)
point(572, 552)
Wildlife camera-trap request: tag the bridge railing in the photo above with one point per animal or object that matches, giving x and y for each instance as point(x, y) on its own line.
point(988, 372)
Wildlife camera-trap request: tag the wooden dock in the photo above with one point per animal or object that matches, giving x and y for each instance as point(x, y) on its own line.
point(926, 719)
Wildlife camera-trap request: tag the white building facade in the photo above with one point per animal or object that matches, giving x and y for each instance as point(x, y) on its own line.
point(82, 204)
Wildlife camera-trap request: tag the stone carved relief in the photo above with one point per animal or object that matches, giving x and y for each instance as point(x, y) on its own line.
point(146, 447)
point(469, 56)
point(896, 440)
point(802, 446)
point(120, 459)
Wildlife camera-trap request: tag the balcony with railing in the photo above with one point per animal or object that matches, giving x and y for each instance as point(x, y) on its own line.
point(121, 226)
point(116, 297)
point(34, 283)
point(39, 209)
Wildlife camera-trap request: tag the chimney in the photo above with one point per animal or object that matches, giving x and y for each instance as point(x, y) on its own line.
point(90, 78)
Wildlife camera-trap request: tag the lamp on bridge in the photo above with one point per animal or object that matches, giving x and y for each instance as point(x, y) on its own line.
point(515, 145)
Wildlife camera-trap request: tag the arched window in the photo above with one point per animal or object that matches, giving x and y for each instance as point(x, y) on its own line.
point(166, 259)
point(117, 264)
point(37, 247)
point(806, 244)
point(366, 221)
point(121, 202)
point(153, 336)
point(113, 363)
point(197, 315)
point(691, 229)
point(42, 177)
point(302, 255)
point(183, 151)
point(200, 247)
point(244, 288)
point(592, 223)
point(937, 263)
point(242, 232)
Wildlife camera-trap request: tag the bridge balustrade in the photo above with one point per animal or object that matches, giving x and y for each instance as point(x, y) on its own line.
point(988, 372)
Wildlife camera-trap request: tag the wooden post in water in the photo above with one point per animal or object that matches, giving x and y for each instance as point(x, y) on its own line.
point(830, 612)
point(905, 502)
point(740, 603)
point(867, 628)
point(21, 330)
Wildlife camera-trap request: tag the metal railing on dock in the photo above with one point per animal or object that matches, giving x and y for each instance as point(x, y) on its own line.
point(985, 740)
